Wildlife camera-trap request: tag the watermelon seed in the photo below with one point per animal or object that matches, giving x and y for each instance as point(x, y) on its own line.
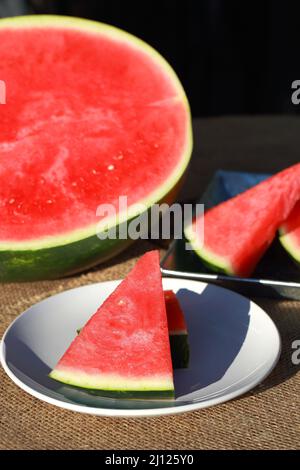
point(11, 201)
point(94, 171)
point(49, 201)
point(110, 167)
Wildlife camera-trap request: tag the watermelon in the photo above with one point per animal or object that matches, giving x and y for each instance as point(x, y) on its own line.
point(92, 113)
point(178, 333)
point(289, 233)
point(238, 231)
point(124, 349)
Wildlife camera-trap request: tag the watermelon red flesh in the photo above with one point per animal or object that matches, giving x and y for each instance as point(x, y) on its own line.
point(178, 334)
point(289, 233)
point(90, 115)
point(238, 231)
point(124, 347)
point(175, 316)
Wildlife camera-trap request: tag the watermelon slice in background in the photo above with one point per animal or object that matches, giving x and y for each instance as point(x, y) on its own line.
point(238, 231)
point(124, 349)
point(92, 113)
point(289, 233)
point(178, 333)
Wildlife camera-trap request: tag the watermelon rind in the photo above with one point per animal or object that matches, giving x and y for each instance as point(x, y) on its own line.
point(110, 383)
point(58, 256)
point(56, 262)
point(89, 394)
point(180, 350)
point(211, 260)
point(290, 245)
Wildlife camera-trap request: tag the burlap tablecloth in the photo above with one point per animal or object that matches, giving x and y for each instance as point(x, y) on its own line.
point(266, 418)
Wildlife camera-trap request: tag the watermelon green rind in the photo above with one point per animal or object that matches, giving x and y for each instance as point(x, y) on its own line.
point(180, 351)
point(119, 394)
point(55, 262)
point(289, 234)
point(57, 256)
point(290, 245)
point(211, 260)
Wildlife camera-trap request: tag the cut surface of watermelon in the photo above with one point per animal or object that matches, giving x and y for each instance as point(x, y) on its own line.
point(289, 233)
point(238, 231)
point(178, 332)
point(92, 114)
point(124, 347)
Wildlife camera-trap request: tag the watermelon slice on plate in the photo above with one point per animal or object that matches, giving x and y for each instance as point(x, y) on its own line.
point(289, 233)
point(124, 349)
point(92, 114)
point(238, 231)
point(178, 334)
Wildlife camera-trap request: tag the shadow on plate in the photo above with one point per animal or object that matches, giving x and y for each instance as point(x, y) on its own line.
point(217, 330)
point(27, 366)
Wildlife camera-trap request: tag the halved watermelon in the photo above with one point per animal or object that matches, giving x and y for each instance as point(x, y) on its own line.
point(92, 113)
point(238, 231)
point(124, 348)
point(178, 333)
point(289, 233)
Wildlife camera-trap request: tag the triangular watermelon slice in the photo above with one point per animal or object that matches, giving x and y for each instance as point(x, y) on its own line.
point(289, 233)
point(238, 231)
point(124, 348)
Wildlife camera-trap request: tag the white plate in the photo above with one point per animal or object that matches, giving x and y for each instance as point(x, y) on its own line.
point(233, 345)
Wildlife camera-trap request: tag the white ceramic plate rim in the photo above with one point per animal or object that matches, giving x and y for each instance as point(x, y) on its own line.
point(109, 412)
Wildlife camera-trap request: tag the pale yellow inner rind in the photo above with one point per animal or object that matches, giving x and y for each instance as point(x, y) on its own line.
point(208, 256)
point(290, 244)
point(113, 382)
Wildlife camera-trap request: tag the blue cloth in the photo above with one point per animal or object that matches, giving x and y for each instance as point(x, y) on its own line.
point(226, 184)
